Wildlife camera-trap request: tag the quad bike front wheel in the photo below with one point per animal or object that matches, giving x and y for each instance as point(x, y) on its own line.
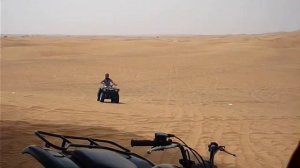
point(115, 98)
point(101, 97)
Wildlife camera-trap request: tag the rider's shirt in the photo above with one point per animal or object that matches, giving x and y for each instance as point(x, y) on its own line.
point(107, 82)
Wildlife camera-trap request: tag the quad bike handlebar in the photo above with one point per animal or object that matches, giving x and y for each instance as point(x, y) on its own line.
point(142, 143)
point(163, 141)
point(214, 146)
point(111, 85)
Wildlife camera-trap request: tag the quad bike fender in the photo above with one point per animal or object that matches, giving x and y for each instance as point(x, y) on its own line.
point(165, 166)
point(49, 158)
point(101, 158)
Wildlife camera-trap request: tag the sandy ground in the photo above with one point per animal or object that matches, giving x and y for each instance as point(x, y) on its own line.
point(241, 91)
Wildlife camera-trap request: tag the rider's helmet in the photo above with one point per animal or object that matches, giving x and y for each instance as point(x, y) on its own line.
point(107, 75)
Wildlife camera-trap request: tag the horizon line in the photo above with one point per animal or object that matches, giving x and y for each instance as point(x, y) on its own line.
point(146, 35)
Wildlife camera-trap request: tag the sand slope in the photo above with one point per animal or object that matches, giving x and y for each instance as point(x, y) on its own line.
point(241, 91)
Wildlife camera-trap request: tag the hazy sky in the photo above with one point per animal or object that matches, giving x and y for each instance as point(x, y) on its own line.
point(148, 17)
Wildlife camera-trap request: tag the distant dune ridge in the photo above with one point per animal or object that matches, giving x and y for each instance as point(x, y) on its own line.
point(242, 91)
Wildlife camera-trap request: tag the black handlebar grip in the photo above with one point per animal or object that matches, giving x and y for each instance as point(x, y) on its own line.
point(142, 143)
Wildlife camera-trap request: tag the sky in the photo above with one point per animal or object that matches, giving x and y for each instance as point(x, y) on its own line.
point(149, 17)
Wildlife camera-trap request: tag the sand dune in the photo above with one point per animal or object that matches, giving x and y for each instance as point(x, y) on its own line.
point(241, 91)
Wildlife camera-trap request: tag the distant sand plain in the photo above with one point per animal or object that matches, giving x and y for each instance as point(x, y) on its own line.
point(241, 91)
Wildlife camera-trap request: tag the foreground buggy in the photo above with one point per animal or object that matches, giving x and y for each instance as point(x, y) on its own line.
point(108, 92)
point(97, 153)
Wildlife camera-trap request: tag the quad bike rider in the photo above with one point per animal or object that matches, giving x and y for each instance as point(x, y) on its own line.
point(108, 91)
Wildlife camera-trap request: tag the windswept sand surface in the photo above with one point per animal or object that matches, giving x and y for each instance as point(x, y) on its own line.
point(241, 91)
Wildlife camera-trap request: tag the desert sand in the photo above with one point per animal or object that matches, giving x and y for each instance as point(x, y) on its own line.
point(241, 91)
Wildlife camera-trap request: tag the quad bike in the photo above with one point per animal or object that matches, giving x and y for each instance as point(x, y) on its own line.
point(109, 92)
point(97, 153)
